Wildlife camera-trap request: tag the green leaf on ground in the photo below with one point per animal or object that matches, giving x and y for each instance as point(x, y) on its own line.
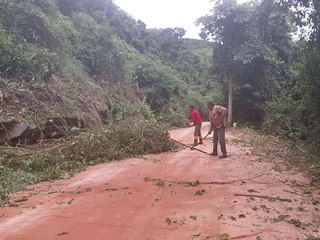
point(298, 223)
point(200, 192)
point(196, 235)
point(225, 236)
point(280, 218)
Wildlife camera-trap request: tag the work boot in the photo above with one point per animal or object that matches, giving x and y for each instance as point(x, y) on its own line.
point(213, 154)
point(215, 149)
point(223, 148)
point(224, 155)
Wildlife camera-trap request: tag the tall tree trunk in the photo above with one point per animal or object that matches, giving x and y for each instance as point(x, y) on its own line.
point(230, 100)
point(316, 5)
point(316, 20)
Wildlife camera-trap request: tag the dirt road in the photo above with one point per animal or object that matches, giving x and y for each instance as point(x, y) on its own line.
point(170, 196)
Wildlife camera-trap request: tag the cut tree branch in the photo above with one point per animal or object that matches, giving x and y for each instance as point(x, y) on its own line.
point(264, 197)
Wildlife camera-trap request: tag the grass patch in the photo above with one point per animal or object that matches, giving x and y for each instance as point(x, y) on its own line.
point(275, 148)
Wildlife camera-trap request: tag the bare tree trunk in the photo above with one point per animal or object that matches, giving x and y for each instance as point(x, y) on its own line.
point(230, 100)
point(316, 5)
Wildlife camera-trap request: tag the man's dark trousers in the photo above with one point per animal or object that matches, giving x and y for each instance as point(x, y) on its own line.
point(219, 136)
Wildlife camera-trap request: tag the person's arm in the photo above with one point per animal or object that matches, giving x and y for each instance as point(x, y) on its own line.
point(211, 123)
point(191, 119)
point(223, 112)
point(188, 122)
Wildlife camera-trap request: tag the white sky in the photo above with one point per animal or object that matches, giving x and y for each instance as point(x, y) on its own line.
point(168, 13)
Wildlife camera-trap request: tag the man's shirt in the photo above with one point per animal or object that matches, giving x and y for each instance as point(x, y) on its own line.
point(218, 115)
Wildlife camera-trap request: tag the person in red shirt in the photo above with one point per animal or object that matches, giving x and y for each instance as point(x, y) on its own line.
point(218, 115)
point(196, 119)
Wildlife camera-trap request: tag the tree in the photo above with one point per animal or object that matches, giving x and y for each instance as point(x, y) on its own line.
point(306, 14)
point(250, 53)
point(227, 27)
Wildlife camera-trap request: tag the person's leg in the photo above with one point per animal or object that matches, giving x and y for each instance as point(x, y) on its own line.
point(222, 141)
point(196, 134)
point(215, 143)
point(200, 137)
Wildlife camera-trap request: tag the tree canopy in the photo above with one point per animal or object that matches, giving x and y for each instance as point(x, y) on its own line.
point(272, 78)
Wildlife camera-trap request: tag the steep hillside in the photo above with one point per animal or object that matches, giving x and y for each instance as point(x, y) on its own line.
point(81, 61)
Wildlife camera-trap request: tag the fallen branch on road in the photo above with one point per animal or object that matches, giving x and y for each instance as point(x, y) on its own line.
point(264, 197)
point(299, 194)
point(197, 182)
point(233, 181)
point(246, 236)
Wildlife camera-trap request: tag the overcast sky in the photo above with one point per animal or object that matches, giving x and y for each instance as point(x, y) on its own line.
point(168, 13)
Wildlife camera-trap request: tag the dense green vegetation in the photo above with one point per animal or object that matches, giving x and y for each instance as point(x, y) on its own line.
point(129, 137)
point(271, 80)
point(99, 43)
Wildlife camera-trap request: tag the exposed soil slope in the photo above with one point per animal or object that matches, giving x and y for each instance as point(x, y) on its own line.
point(170, 196)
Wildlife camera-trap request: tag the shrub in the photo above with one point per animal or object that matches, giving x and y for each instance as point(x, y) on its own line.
point(39, 63)
point(126, 138)
point(28, 61)
point(10, 56)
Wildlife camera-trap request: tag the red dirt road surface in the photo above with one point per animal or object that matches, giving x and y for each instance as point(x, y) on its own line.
point(170, 196)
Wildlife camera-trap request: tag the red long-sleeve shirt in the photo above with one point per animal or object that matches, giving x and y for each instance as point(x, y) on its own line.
point(195, 116)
